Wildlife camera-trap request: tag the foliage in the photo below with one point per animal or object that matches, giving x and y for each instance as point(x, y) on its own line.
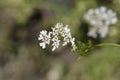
point(84, 48)
point(103, 64)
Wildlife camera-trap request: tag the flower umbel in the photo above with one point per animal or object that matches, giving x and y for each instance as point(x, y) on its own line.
point(100, 18)
point(59, 34)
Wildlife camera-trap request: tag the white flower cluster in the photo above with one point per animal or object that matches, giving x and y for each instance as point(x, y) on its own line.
point(100, 18)
point(54, 37)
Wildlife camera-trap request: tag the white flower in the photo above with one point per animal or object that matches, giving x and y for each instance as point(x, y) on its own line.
point(59, 25)
point(56, 43)
point(67, 29)
point(103, 31)
point(45, 38)
point(111, 17)
point(92, 32)
point(72, 41)
point(58, 29)
point(100, 18)
point(67, 36)
point(59, 33)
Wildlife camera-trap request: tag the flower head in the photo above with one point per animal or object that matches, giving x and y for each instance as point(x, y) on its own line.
point(59, 34)
point(100, 18)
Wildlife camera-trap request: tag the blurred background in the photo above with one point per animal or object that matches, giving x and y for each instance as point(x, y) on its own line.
point(21, 57)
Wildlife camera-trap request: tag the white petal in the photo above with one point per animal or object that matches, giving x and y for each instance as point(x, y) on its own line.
point(65, 43)
point(90, 11)
point(53, 49)
point(72, 41)
point(44, 32)
point(42, 45)
point(103, 9)
point(103, 31)
point(92, 33)
point(97, 11)
point(107, 23)
point(93, 22)
point(110, 12)
point(114, 20)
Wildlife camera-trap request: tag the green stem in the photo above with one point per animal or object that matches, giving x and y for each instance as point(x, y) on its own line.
point(108, 44)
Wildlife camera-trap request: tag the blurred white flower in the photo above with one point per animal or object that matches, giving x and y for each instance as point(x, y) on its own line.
point(100, 18)
point(59, 33)
point(92, 32)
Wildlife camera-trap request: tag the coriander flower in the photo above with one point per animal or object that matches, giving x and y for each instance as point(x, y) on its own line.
point(66, 35)
point(56, 43)
point(45, 38)
point(100, 18)
point(59, 34)
point(72, 41)
point(58, 29)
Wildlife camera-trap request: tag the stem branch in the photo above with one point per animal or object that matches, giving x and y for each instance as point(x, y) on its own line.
point(108, 44)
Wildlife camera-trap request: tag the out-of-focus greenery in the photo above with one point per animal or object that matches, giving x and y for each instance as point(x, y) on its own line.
point(21, 58)
point(103, 64)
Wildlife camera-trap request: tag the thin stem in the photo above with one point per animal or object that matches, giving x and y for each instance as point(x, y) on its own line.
point(108, 44)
